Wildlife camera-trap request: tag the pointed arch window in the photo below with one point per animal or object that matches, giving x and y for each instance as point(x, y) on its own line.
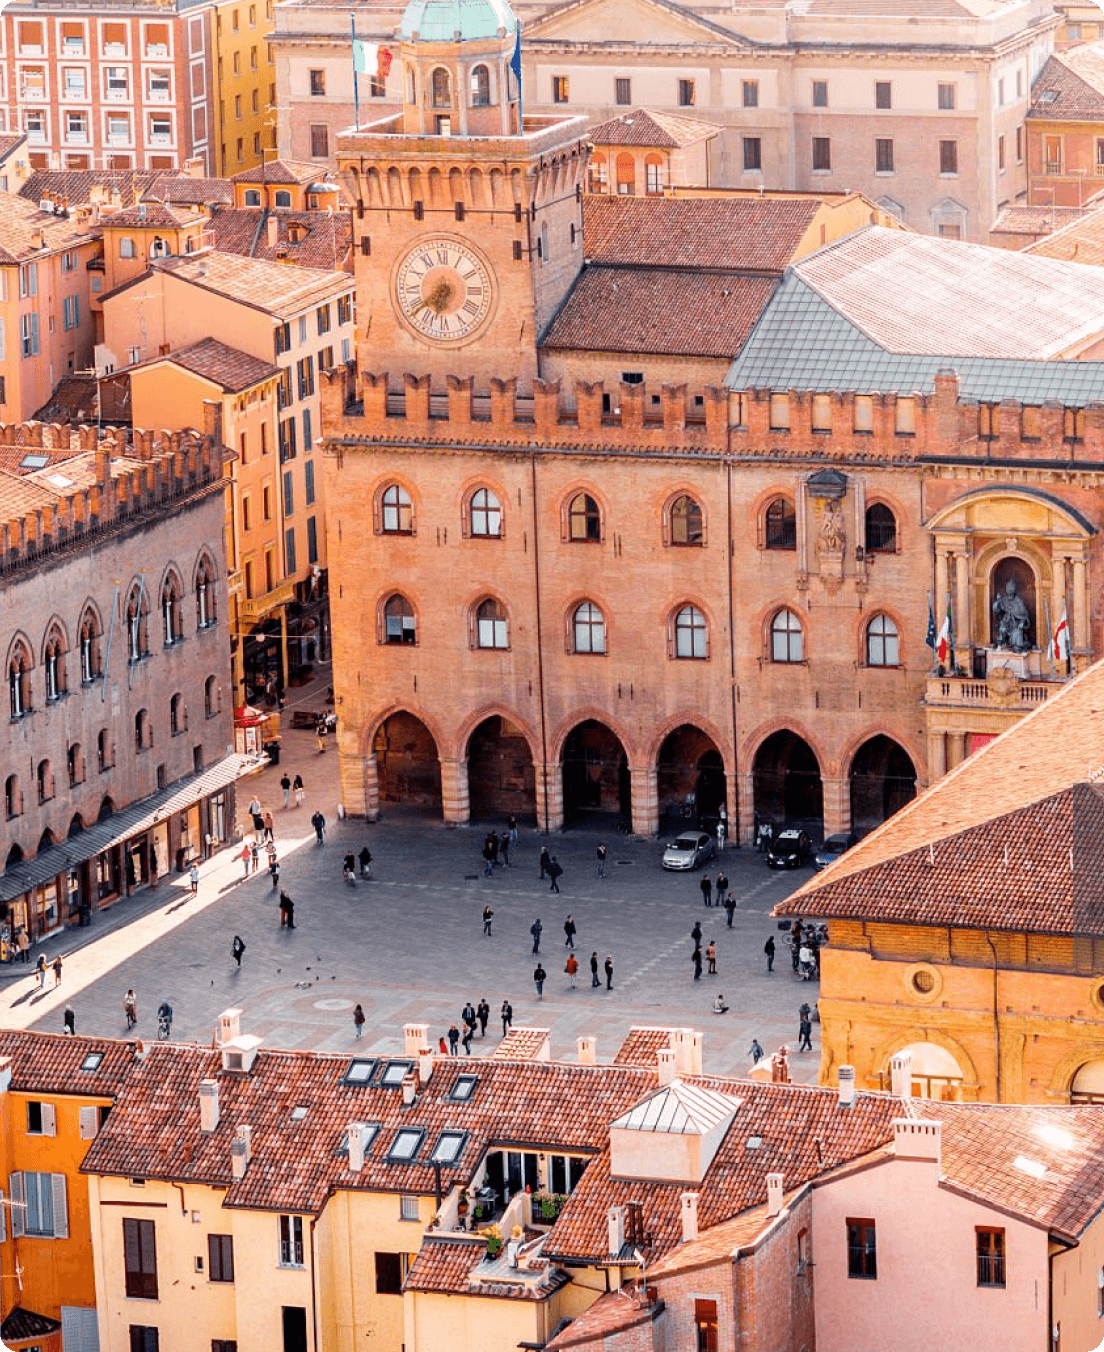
point(584, 521)
point(781, 525)
point(485, 514)
point(492, 628)
point(687, 526)
point(398, 511)
point(89, 648)
point(171, 612)
point(205, 594)
point(53, 665)
point(882, 642)
point(589, 626)
point(19, 681)
point(400, 625)
point(137, 624)
point(442, 88)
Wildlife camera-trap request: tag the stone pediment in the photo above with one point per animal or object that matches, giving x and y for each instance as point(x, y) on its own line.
point(652, 23)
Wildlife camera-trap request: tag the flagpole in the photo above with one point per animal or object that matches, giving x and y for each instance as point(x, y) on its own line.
point(1050, 637)
point(356, 82)
point(953, 635)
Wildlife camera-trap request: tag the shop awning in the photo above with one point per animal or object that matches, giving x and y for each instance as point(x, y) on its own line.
point(121, 826)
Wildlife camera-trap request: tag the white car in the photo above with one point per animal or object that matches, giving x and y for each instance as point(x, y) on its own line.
point(689, 851)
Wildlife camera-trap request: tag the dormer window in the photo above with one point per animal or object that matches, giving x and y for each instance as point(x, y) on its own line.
point(391, 1077)
point(464, 1088)
point(406, 1145)
point(448, 1147)
point(359, 1072)
point(239, 1054)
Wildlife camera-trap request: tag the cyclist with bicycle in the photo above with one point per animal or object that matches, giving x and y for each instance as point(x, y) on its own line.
point(164, 1020)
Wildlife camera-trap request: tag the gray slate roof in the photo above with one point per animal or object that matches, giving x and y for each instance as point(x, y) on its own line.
point(802, 343)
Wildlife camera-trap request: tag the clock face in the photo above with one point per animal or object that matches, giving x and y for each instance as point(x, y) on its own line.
point(443, 290)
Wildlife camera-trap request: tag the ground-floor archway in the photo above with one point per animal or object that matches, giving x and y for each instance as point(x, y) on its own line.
point(786, 782)
point(690, 763)
point(883, 780)
point(501, 778)
point(934, 1071)
point(595, 771)
point(1087, 1086)
point(408, 767)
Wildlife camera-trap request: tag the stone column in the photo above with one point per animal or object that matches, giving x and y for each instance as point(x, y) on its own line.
point(956, 749)
point(745, 790)
point(1079, 639)
point(837, 804)
point(549, 784)
point(942, 586)
point(963, 627)
point(937, 756)
point(359, 785)
point(455, 803)
point(644, 787)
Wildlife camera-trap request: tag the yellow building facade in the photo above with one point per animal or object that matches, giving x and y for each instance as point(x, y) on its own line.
point(244, 103)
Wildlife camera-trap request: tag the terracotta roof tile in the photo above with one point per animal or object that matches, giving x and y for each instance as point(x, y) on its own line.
point(445, 1263)
point(1017, 770)
point(640, 1046)
point(152, 215)
point(522, 1044)
point(613, 1312)
point(457, 1265)
point(21, 1325)
point(184, 190)
point(278, 290)
point(78, 186)
point(646, 127)
point(742, 233)
point(659, 310)
point(22, 225)
point(1070, 87)
point(49, 1063)
point(1078, 236)
point(1039, 220)
point(226, 366)
point(312, 239)
point(281, 171)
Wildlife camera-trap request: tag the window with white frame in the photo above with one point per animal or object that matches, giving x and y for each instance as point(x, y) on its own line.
point(39, 1205)
point(691, 634)
point(491, 625)
point(291, 1241)
point(485, 514)
point(589, 626)
point(881, 642)
point(787, 637)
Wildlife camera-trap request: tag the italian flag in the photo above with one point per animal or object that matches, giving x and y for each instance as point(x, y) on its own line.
point(1060, 647)
point(943, 642)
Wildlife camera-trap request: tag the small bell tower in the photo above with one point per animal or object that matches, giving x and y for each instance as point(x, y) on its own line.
point(457, 80)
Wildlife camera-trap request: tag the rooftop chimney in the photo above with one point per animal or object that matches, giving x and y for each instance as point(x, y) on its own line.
point(409, 1088)
point(689, 1216)
point(228, 1027)
point(588, 1050)
point(616, 1229)
point(425, 1064)
point(355, 1136)
point(208, 1105)
point(141, 1050)
point(914, 1140)
point(241, 1151)
point(846, 1086)
point(686, 1043)
point(665, 1065)
point(415, 1037)
point(774, 1194)
point(272, 226)
point(900, 1074)
point(5, 1074)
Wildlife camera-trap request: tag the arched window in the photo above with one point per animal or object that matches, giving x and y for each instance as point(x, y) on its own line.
point(45, 777)
point(881, 529)
point(442, 88)
point(89, 647)
point(480, 87)
point(205, 593)
point(584, 522)
point(53, 664)
point(74, 760)
point(399, 621)
point(171, 617)
point(210, 697)
point(490, 625)
point(137, 613)
point(142, 738)
point(626, 175)
point(485, 514)
point(686, 521)
point(252, 197)
point(653, 175)
point(781, 523)
point(177, 720)
point(104, 757)
point(281, 198)
point(787, 638)
point(881, 642)
point(13, 799)
point(19, 681)
point(589, 625)
point(691, 634)
point(398, 512)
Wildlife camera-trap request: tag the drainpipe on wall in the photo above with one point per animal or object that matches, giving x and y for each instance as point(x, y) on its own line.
point(540, 637)
point(734, 823)
point(996, 1015)
point(314, 1292)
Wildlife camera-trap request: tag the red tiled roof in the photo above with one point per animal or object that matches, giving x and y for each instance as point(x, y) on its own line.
point(456, 1265)
point(1038, 220)
point(741, 233)
point(76, 186)
point(325, 239)
point(226, 366)
point(640, 1046)
point(184, 190)
point(1077, 236)
point(646, 127)
point(153, 215)
point(1070, 87)
point(21, 1325)
point(49, 1063)
point(522, 1044)
point(613, 1312)
point(22, 226)
point(659, 310)
point(281, 172)
point(277, 290)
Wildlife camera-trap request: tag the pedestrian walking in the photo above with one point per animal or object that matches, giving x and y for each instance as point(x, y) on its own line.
point(492, 842)
point(768, 949)
point(507, 1013)
point(722, 889)
point(23, 942)
point(319, 824)
point(320, 732)
point(164, 1020)
point(504, 848)
point(285, 784)
point(805, 1034)
point(805, 963)
point(237, 948)
point(601, 859)
point(609, 972)
point(358, 1021)
point(554, 872)
point(696, 934)
point(696, 959)
point(730, 908)
point(535, 930)
point(269, 826)
point(706, 889)
point(466, 1039)
point(488, 858)
point(539, 977)
point(488, 916)
point(572, 968)
point(69, 1022)
point(193, 874)
point(483, 1013)
point(40, 970)
point(57, 971)
point(454, 1039)
point(512, 824)
point(544, 860)
point(711, 956)
point(722, 835)
point(130, 1008)
point(569, 931)
point(755, 1051)
point(365, 857)
point(285, 902)
point(348, 869)
point(594, 970)
point(287, 908)
point(274, 873)
point(245, 857)
point(468, 1015)
point(297, 789)
point(254, 856)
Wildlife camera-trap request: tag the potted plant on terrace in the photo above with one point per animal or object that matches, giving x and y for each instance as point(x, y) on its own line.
point(494, 1241)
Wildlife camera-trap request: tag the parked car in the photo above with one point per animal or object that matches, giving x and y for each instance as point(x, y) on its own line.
point(788, 849)
point(833, 847)
point(689, 851)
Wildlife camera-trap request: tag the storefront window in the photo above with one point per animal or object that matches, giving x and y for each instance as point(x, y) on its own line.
point(48, 905)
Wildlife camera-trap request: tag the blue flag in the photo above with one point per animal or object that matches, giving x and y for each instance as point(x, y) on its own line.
point(515, 64)
point(930, 639)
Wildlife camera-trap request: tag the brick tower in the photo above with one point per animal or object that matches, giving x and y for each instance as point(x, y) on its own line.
point(468, 215)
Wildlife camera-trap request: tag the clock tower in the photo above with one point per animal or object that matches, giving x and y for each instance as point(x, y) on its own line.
point(467, 220)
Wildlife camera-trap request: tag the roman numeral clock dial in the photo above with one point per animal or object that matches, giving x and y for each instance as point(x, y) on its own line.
point(443, 291)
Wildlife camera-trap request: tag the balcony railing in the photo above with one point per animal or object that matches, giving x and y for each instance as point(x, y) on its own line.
point(964, 690)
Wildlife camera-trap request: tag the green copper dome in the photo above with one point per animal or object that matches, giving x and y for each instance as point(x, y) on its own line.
point(442, 20)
